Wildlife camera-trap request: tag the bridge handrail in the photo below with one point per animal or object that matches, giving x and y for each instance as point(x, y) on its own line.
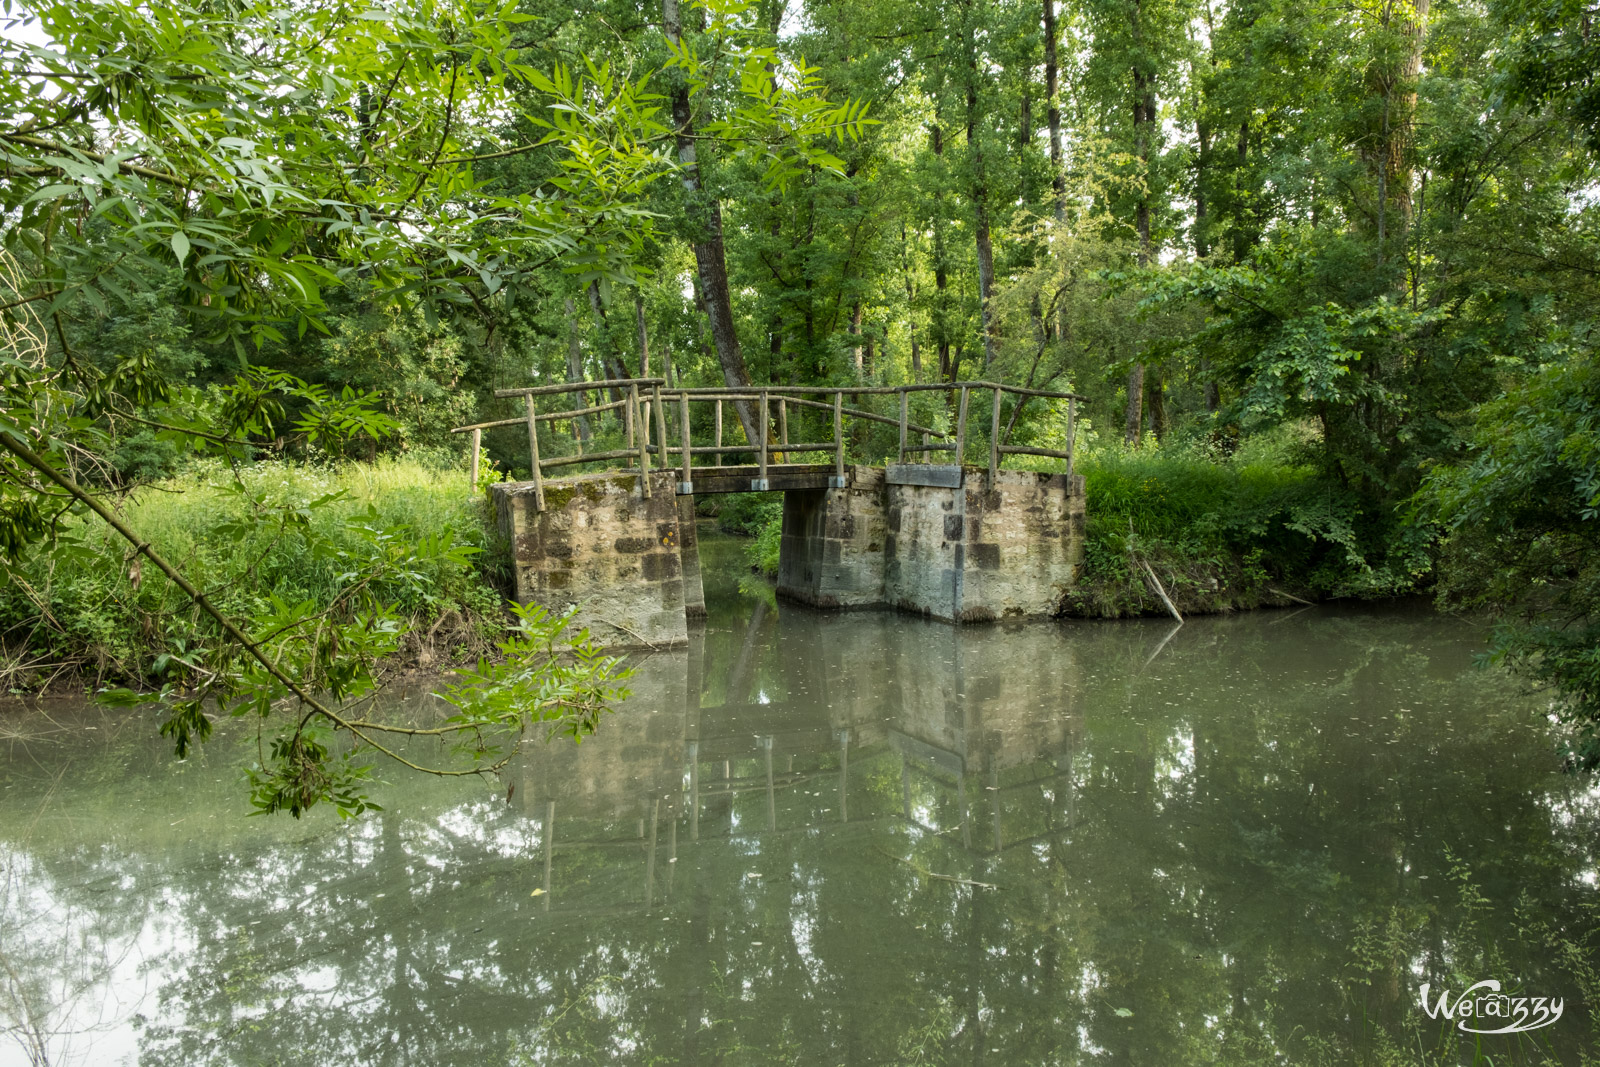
point(578, 387)
point(637, 412)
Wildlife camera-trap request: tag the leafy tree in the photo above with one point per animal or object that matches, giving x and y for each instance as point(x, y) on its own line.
point(266, 155)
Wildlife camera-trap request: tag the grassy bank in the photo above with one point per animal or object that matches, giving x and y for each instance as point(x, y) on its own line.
point(90, 610)
point(1231, 534)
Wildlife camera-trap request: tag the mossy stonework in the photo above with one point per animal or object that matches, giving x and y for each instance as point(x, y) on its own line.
point(937, 541)
point(599, 546)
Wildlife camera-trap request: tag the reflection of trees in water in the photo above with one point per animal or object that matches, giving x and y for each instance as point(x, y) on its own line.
point(1229, 848)
point(64, 967)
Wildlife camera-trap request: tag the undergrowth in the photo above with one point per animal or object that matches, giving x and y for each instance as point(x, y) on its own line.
point(1231, 533)
point(93, 610)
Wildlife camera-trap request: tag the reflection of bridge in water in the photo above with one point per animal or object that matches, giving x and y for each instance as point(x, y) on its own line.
point(956, 541)
point(744, 737)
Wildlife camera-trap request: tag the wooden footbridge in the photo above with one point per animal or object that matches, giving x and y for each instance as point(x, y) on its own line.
point(648, 405)
point(959, 542)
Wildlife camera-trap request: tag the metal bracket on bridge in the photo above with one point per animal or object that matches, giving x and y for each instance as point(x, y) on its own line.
point(837, 481)
point(686, 489)
point(759, 485)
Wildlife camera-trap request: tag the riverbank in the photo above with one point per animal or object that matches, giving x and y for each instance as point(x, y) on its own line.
point(281, 533)
point(1215, 537)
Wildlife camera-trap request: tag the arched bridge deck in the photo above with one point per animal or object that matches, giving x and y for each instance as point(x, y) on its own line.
point(959, 542)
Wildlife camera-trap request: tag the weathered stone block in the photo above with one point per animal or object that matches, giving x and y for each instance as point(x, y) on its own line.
point(629, 588)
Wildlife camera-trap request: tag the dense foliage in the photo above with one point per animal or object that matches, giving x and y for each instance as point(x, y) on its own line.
point(1368, 229)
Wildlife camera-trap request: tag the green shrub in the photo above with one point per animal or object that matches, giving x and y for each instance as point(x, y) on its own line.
point(749, 513)
point(1225, 533)
point(762, 553)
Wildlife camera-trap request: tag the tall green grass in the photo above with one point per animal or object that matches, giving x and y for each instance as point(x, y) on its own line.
point(90, 606)
point(1226, 533)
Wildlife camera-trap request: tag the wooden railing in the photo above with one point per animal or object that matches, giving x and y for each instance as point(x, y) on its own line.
point(644, 403)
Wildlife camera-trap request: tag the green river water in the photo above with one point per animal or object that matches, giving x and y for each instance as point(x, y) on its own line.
point(845, 839)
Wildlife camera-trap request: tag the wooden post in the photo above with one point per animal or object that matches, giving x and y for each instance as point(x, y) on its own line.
point(783, 422)
point(533, 450)
point(643, 440)
point(719, 430)
point(477, 447)
point(686, 486)
point(661, 425)
point(1072, 416)
point(994, 440)
point(628, 413)
point(961, 428)
point(765, 416)
point(905, 398)
point(838, 440)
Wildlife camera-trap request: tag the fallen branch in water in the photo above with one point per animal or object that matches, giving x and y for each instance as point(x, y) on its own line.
point(650, 645)
point(941, 877)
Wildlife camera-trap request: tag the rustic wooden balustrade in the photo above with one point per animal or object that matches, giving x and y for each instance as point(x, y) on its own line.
point(644, 401)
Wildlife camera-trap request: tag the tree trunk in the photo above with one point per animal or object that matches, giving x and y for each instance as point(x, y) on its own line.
point(644, 334)
point(1244, 237)
point(1156, 402)
point(1058, 178)
point(855, 331)
point(1202, 205)
point(1397, 85)
point(610, 358)
point(941, 270)
point(1025, 134)
point(980, 209)
point(705, 220)
point(1202, 245)
point(575, 364)
point(1144, 113)
point(911, 300)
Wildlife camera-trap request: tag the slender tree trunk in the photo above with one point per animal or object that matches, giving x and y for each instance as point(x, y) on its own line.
point(941, 270)
point(911, 300)
point(1156, 400)
point(575, 363)
point(1202, 246)
point(855, 331)
point(610, 358)
point(1144, 113)
point(1025, 134)
point(1202, 202)
point(980, 207)
point(644, 334)
point(1058, 178)
point(1244, 233)
point(706, 222)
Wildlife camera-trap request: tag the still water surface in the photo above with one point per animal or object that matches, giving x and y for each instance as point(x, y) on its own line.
point(1249, 840)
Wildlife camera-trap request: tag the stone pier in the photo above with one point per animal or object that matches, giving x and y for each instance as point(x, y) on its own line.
point(602, 545)
point(935, 540)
